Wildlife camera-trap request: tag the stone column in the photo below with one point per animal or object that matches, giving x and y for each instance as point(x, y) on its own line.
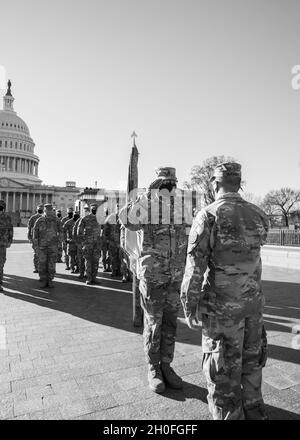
point(27, 201)
point(21, 201)
point(14, 202)
point(33, 202)
point(7, 200)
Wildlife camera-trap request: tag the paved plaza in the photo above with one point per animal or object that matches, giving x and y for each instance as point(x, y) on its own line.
point(72, 352)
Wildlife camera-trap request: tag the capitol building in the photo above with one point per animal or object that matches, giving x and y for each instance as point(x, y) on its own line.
point(20, 185)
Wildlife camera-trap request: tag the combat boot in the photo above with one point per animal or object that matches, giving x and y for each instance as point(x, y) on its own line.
point(1, 288)
point(35, 271)
point(89, 282)
point(50, 284)
point(155, 379)
point(44, 283)
point(81, 276)
point(67, 268)
point(171, 378)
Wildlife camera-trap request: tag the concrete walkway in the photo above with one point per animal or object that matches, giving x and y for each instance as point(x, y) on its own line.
point(72, 352)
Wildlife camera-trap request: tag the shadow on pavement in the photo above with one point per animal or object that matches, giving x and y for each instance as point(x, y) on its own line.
point(189, 391)
point(111, 304)
point(281, 414)
point(282, 299)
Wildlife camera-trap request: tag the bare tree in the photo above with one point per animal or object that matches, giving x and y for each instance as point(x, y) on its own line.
point(281, 202)
point(252, 198)
point(200, 175)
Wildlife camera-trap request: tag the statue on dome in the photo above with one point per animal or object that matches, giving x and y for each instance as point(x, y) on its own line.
point(8, 88)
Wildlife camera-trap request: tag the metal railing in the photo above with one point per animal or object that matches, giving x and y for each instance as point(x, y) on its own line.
point(283, 237)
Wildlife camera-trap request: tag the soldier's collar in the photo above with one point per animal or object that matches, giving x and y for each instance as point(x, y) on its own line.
point(229, 195)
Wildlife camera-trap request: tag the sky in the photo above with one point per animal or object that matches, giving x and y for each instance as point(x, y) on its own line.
point(193, 78)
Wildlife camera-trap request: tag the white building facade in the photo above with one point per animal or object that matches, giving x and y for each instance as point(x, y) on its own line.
point(20, 185)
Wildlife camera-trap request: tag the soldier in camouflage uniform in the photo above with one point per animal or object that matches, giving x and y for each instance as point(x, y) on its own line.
point(6, 237)
point(59, 247)
point(125, 261)
point(105, 248)
point(80, 258)
point(67, 217)
point(88, 234)
point(112, 237)
point(31, 222)
point(223, 278)
point(47, 232)
point(159, 270)
point(69, 239)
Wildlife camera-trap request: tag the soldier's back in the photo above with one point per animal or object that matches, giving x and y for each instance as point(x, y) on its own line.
point(237, 231)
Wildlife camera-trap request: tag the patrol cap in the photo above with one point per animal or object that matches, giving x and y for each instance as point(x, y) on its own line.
point(2, 203)
point(94, 205)
point(225, 171)
point(166, 173)
point(58, 211)
point(39, 207)
point(70, 210)
point(86, 206)
point(48, 206)
point(163, 174)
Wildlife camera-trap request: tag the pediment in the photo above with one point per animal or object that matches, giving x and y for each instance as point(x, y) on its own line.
point(6, 182)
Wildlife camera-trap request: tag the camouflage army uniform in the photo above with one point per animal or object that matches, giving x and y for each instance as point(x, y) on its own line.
point(59, 246)
point(79, 257)
point(105, 248)
point(112, 237)
point(30, 225)
point(71, 244)
point(159, 270)
point(6, 238)
point(124, 257)
point(64, 243)
point(88, 234)
point(223, 278)
point(47, 231)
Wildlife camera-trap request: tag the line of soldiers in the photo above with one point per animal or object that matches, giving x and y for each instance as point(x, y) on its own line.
point(81, 241)
point(215, 274)
point(6, 237)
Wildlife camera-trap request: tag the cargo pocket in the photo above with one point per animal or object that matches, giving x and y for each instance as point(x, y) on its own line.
point(264, 347)
point(213, 365)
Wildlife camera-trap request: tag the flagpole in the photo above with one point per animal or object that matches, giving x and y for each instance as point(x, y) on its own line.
point(137, 312)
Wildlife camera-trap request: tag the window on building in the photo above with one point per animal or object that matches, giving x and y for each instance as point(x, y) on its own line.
point(5, 144)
